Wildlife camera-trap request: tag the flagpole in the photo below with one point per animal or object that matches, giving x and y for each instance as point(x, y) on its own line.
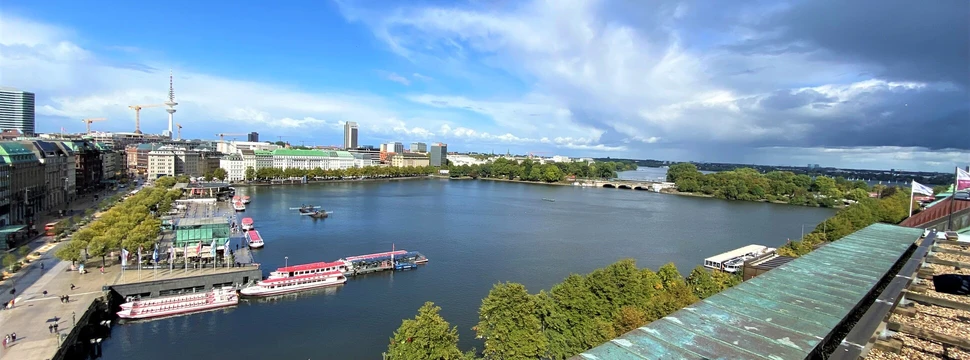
point(956, 186)
point(912, 185)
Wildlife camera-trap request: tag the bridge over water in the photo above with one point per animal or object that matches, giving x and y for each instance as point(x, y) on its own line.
point(624, 184)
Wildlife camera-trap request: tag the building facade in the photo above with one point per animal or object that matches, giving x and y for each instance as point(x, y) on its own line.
point(264, 159)
point(235, 167)
point(58, 173)
point(409, 159)
point(350, 135)
point(365, 157)
point(137, 158)
point(4, 196)
point(439, 154)
point(395, 147)
point(88, 172)
point(252, 137)
point(173, 161)
point(17, 111)
point(312, 159)
point(121, 140)
point(232, 147)
point(209, 161)
point(26, 182)
point(419, 147)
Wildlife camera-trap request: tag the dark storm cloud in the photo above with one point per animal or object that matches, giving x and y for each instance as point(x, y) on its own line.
point(908, 40)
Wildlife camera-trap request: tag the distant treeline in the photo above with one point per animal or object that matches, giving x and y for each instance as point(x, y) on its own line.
point(333, 174)
point(529, 170)
point(749, 184)
point(577, 314)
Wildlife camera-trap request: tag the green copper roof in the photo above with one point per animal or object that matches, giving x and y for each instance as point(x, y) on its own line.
point(781, 314)
point(325, 153)
point(15, 152)
point(263, 152)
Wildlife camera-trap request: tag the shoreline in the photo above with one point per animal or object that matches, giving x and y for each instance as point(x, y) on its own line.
point(296, 182)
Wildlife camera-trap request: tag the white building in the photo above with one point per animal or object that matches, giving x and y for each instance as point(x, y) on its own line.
point(394, 147)
point(17, 110)
point(172, 161)
point(264, 159)
point(561, 159)
point(235, 167)
point(312, 159)
point(459, 160)
point(365, 158)
point(232, 147)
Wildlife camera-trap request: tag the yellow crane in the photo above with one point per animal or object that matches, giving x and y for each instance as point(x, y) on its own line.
point(137, 109)
point(88, 122)
point(180, 130)
point(222, 136)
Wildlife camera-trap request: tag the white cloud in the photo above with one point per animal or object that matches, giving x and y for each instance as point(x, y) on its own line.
point(421, 77)
point(399, 79)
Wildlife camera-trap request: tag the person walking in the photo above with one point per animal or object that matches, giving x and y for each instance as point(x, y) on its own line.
point(55, 327)
point(13, 337)
point(42, 266)
point(50, 328)
point(5, 342)
point(73, 287)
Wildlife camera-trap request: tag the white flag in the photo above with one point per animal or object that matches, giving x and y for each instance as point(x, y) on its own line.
point(124, 257)
point(922, 189)
point(963, 179)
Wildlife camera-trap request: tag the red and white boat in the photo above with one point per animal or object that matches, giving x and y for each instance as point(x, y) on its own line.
point(309, 269)
point(255, 241)
point(245, 199)
point(238, 206)
point(179, 304)
point(286, 281)
point(247, 224)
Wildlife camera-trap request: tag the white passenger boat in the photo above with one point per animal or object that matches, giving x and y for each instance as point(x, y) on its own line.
point(733, 260)
point(179, 304)
point(296, 283)
point(255, 241)
point(247, 224)
point(239, 206)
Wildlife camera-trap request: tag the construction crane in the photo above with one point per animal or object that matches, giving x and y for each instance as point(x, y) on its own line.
point(180, 131)
point(137, 109)
point(89, 121)
point(222, 136)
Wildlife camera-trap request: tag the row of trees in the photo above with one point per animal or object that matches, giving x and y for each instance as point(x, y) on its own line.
point(749, 184)
point(130, 224)
point(575, 315)
point(370, 172)
point(529, 170)
point(891, 207)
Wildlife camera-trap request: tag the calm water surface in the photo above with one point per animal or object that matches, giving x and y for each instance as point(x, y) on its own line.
point(476, 233)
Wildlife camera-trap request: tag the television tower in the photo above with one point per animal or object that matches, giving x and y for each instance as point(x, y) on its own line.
point(171, 105)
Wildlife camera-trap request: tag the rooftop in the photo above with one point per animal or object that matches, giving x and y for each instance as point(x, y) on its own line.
point(201, 221)
point(938, 211)
point(300, 152)
point(786, 313)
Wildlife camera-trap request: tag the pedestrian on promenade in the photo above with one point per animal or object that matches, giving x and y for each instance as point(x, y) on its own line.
point(42, 266)
point(45, 293)
point(72, 287)
point(55, 328)
point(5, 342)
point(13, 337)
point(50, 328)
point(102, 270)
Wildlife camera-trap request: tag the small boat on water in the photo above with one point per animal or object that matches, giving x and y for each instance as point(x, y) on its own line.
point(255, 241)
point(179, 304)
point(247, 224)
point(319, 214)
point(549, 200)
point(291, 281)
point(245, 199)
point(306, 209)
point(239, 206)
point(733, 261)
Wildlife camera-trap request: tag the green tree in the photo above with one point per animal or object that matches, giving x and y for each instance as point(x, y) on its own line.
point(250, 173)
point(682, 170)
point(427, 336)
point(509, 325)
point(629, 318)
point(857, 194)
point(702, 283)
point(9, 260)
point(220, 173)
point(71, 252)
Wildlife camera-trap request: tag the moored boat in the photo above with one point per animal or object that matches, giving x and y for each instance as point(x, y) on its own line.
point(255, 241)
point(247, 224)
point(289, 284)
point(239, 206)
point(179, 304)
point(306, 209)
point(309, 269)
point(320, 214)
point(245, 199)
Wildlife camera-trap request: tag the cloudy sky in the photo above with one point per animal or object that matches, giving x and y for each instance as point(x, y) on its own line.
point(867, 84)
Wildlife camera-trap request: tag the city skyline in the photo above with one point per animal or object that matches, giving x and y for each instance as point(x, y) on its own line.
point(418, 73)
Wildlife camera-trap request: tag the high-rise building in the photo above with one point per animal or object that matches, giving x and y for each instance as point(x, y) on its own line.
point(395, 147)
point(17, 110)
point(350, 135)
point(419, 147)
point(253, 137)
point(439, 154)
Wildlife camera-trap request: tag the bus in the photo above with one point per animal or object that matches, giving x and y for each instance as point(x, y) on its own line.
point(49, 229)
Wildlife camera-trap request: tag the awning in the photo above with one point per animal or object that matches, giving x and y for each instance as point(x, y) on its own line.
point(10, 229)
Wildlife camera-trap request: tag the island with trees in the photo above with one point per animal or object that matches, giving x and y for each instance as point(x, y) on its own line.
point(534, 171)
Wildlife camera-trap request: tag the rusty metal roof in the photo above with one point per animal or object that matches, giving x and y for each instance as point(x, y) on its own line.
point(782, 314)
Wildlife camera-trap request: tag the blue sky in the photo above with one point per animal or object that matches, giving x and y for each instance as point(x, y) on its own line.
point(681, 80)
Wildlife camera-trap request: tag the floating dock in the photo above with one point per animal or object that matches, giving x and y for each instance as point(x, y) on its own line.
point(392, 260)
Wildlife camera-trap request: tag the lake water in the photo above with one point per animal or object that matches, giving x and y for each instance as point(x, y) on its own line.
point(475, 233)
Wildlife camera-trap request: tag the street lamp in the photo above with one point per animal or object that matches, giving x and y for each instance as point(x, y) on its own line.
point(286, 261)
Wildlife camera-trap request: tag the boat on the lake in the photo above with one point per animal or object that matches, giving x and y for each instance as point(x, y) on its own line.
point(309, 269)
point(179, 304)
point(733, 260)
point(390, 260)
point(549, 200)
point(319, 214)
point(239, 206)
point(306, 209)
point(290, 281)
point(247, 224)
point(255, 241)
point(245, 199)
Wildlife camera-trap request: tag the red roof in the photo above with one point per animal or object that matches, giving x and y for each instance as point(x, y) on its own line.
point(247, 221)
point(253, 235)
point(298, 277)
point(311, 266)
point(935, 212)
